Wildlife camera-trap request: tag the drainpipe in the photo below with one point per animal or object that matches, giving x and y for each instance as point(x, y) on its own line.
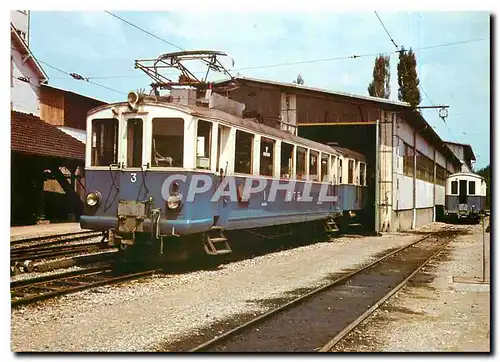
point(434, 189)
point(377, 176)
point(414, 213)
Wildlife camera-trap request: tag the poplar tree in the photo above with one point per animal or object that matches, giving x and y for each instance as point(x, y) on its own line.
point(380, 85)
point(408, 78)
point(299, 80)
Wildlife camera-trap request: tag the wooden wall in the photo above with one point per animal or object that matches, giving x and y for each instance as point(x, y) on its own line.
point(61, 108)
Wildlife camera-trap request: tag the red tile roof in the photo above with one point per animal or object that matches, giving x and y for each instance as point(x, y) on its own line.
point(29, 134)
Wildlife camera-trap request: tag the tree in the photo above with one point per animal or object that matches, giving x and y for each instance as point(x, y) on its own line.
point(485, 172)
point(408, 79)
point(380, 85)
point(299, 80)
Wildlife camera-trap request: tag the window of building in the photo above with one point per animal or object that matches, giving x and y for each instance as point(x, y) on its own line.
point(454, 187)
point(286, 169)
point(339, 171)
point(313, 165)
point(350, 172)
point(324, 167)
point(425, 168)
point(408, 159)
point(301, 163)
point(134, 142)
point(104, 142)
point(203, 144)
point(440, 175)
point(243, 152)
point(266, 156)
point(362, 173)
point(168, 142)
point(472, 187)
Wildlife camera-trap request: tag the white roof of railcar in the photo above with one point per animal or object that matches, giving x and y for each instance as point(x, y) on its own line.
point(466, 174)
point(247, 123)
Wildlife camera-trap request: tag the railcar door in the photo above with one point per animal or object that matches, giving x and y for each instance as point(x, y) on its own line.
point(134, 185)
point(133, 182)
point(462, 194)
point(222, 207)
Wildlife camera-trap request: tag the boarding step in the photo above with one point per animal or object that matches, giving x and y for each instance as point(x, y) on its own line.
point(331, 226)
point(216, 244)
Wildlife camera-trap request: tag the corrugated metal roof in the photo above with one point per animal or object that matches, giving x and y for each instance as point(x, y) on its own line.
point(467, 147)
point(318, 90)
point(414, 118)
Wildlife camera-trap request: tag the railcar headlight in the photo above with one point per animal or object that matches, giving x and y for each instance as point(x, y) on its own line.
point(92, 198)
point(174, 201)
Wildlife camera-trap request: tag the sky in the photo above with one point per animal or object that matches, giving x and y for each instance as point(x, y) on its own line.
point(97, 45)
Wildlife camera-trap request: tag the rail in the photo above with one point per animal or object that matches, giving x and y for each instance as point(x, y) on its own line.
point(273, 321)
point(36, 289)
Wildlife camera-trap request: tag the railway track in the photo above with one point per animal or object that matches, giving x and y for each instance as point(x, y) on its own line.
point(56, 239)
point(36, 289)
point(43, 252)
point(323, 317)
point(24, 252)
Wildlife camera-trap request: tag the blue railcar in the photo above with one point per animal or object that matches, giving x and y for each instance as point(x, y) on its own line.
point(162, 174)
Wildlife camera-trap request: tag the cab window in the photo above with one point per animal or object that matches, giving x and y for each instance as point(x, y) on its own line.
point(472, 187)
point(168, 142)
point(104, 142)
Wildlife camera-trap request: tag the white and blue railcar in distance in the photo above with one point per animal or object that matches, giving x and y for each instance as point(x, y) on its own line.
point(465, 196)
point(177, 179)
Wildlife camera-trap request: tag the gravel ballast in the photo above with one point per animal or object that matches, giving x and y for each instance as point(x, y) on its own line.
point(440, 310)
point(144, 314)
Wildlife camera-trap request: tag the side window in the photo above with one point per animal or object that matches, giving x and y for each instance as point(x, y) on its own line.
point(168, 142)
point(472, 187)
point(339, 171)
point(134, 142)
point(313, 165)
point(203, 144)
point(350, 172)
point(286, 160)
point(454, 187)
point(362, 173)
point(324, 167)
point(301, 163)
point(244, 152)
point(104, 142)
point(266, 156)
